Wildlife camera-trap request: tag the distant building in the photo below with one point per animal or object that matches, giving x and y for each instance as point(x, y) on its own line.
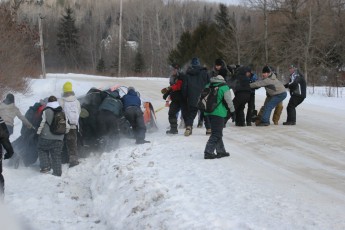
point(132, 45)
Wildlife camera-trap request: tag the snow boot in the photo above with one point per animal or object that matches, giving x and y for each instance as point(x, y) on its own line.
point(289, 123)
point(210, 156)
point(188, 131)
point(139, 142)
point(225, 154)
point(172, 131)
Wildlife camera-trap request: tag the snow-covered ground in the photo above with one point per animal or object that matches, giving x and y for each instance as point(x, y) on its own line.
point(277, 177)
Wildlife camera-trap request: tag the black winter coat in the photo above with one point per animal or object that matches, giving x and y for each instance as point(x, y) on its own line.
point(240, 82)
point(297, 85)
point(194, 81)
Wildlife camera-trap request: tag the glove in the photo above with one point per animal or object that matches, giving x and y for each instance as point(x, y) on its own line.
point(233, 116)
point(286, 85)
point(8, 155)
point(166, 95)
point(165, 90)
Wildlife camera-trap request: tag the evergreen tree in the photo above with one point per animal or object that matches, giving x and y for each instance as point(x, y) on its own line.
point(202, 43)
point(101, 66)
point(67, 37)
point(184, 50)
point(139, 64)
point(222, 18)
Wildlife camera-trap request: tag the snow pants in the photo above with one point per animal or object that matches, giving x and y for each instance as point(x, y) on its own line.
point(251, 108)
point(174, 108)
point(215, 142)
point(108, 128)
point(135, 117)
point(240, 100)
point(291, 108)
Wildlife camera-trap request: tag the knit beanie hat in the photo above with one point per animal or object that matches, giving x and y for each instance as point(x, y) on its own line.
point(67, 87)
point(9, 99)
point(195, 62)
point(218, 62)
point(131, 88)
point(266, 69)
point(175, 66)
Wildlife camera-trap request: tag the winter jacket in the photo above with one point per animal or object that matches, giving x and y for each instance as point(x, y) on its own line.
point(252, 79)
point(272, 85)
point(223, 71)
point(131, 99)
point(241, 81)
point(9, 111)
point(297, 85)
point(47, 118)
point(113, 104)
point(224, 98)
point(176, 86)
point(71, 107)
point(194, 81)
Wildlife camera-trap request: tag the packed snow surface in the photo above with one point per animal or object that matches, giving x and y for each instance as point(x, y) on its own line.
point(277, 177)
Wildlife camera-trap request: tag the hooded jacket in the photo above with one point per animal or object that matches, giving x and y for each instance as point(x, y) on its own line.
point(131, 99)
point(272, 85)
point(241, 81)
point(193, 83)
point(112, 103)
point(297, 85)
point(224, 98)
point(47, 118)
point(71, 106)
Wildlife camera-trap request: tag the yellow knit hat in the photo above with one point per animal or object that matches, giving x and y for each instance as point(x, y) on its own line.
point(67, 87)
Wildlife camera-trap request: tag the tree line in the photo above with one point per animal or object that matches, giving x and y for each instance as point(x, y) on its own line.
point(83, 36)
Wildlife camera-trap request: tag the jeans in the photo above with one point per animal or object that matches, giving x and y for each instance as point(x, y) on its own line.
point(271, 104)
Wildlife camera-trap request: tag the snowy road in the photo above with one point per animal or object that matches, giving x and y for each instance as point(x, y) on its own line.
point(277, 177)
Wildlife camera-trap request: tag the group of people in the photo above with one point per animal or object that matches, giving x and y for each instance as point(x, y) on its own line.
point(185, 89)
point(50, 143)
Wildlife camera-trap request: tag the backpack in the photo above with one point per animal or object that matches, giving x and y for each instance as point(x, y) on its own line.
point(58, 125)
point(72, 113)
point(208, 98)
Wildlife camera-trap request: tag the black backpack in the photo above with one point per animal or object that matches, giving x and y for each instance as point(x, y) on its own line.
point(208, 98)
point(58, 125)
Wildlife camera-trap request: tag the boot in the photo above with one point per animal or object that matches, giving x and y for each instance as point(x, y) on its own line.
point(289, 123)
point(210, 156)
point(225, 154)
point(139, 142)
point(172, 131)
point(188, 131)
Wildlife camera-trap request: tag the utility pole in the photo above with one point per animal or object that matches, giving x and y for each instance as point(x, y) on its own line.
point(42, 46)
point(120, 39)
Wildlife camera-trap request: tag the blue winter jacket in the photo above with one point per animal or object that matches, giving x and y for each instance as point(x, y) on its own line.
point(131, 99)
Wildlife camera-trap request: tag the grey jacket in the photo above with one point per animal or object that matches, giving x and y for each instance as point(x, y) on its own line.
point(47, 117)
point(9, 112)
point(272, 85)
